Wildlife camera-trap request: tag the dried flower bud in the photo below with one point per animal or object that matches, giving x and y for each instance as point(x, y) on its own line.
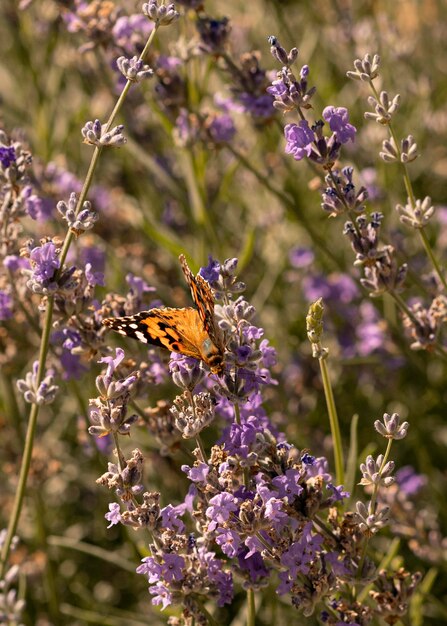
point(314, 327)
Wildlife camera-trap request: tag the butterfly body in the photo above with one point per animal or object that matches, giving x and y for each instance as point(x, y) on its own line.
point(189, 331)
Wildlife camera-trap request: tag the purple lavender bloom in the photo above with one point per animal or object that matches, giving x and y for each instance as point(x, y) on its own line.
point(370, 332)
point(7, 156)
point(220, 509)
point(319, 468)
point(278, 89)
point(130, 32)
point(161, 595)
point(240, 437)
point(253, 564)
point(210, 272)
point(222, 129)
point(301, 553)
point(299, 139)
point(138, 285)
point(72, 365)
point(285, 584)
point(410, 483)
point(274, 511)
point(229, 541)
point(104, 444)
point(94, 278)
point(13, 262)
point(112, 364)
point(308, 459)
point(338, 494)
point(268, 353)
point(150, 568)
point(197, 474)
point(45, 262)
point(172, 567)
point(257, 106)
point(251, 333)
point(335, 287)
point(33, 204)
point(301, 257)
point(72, 338)
point(287, 484)
point(169, 518)
point(95, 256)
point(338, 120)
point(114, 514)
point(6, 306)
point(254, 545)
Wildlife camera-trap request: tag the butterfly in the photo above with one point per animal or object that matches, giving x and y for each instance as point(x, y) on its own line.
point(192, 332)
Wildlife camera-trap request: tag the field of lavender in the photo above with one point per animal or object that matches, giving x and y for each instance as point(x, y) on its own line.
point(250, 194)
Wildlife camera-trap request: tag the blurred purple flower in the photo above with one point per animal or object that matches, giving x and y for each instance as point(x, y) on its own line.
point(369, 330)
point(72, 366)
point(222, 129)
point(409, 481)
point(131, 31)
point(13, 262)
point(6, 305)
point(301, 257)
point(94, 278)
point(137, 285)
point(7, 156)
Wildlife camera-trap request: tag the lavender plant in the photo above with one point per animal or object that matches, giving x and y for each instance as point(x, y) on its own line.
point(258, 518)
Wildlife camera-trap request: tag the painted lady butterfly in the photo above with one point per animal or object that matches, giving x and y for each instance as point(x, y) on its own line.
point(192, 332)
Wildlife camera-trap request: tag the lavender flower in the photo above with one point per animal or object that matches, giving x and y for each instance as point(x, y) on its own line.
point(299, 139)
point(134, 69)
point(6, 305)
point(81, 222)
point(161, 14)
point(40, 393)
point(95, 134)
point(338, 120)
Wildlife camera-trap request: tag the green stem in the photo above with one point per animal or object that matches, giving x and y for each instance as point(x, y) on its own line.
point(333, 420)
point(431, 256)
point(29, 440)
point(251, 609)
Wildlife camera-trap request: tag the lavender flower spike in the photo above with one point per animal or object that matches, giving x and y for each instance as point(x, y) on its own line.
point(391, 428)
point(43, 393)
point(86, 218)
point(94, 134)
point(161, 14)
point(134, 69)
